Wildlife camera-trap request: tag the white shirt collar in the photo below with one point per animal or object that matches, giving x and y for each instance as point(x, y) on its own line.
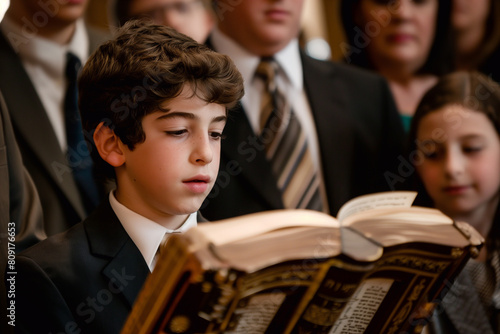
point(145, 233)
point(246, 62)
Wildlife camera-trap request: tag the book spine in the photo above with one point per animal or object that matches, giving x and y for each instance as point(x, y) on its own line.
point(336, 288)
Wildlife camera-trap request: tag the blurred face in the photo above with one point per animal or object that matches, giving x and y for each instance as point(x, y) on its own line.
point(57, 12)
point(461, 164)
point(400, 31)
point(174, 169)
point(470, 14)
point(263, 27)
point(189, 17)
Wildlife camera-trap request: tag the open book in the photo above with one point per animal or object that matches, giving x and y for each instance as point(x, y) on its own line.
point(377, 268)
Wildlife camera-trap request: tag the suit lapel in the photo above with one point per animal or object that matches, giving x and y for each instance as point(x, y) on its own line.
point(126, 269)
point(333, 126)
point(243, 148)
point(33, 127)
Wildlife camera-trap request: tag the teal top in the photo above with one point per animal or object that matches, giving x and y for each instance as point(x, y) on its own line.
point(406, 120)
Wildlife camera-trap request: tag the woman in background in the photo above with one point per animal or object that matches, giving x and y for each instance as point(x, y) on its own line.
point(477, 32)
point(409, 42)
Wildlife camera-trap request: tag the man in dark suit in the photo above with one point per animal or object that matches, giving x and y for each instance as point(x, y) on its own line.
point(20, 212)
point(35, 38)
point(349, 116)
point(157, 104)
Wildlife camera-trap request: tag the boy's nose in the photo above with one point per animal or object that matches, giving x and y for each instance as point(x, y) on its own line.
point(203, 152)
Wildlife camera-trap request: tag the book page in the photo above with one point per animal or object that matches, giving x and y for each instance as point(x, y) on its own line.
point(257, 314)
point(362, 306)
point(230, 230)
point(389, 199)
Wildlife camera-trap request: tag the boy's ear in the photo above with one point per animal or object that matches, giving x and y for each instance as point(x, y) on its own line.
point(109, 145)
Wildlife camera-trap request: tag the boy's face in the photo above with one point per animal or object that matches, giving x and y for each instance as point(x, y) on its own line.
point(174, 169)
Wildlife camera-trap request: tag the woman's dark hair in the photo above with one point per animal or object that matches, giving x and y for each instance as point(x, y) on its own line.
point(491, 40)
point(144, 66)
point(438, 61)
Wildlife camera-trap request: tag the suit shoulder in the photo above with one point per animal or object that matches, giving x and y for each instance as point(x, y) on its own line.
point(349, 74)
point(58, 246)
point(357, 73)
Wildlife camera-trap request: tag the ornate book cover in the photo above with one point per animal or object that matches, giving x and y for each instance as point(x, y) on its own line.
point(379, 267)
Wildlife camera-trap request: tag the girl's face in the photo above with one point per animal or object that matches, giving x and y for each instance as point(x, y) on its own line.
point(460, 167)
point(400, 32)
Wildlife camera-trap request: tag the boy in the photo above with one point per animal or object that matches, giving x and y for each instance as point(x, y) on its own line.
point(156, 103)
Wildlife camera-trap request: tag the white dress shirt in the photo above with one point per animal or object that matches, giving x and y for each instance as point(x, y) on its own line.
point(45, 63)
point(145, 233)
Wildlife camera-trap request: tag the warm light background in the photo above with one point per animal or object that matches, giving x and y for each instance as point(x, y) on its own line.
point(320, 19)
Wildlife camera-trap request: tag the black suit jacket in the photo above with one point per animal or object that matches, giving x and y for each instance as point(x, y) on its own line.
point(85, 278)
point(41, 153)
point(359, 133)
point(20, 209)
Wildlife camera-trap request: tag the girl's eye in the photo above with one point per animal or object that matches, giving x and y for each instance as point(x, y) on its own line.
point(431, 155)
point(177, 132)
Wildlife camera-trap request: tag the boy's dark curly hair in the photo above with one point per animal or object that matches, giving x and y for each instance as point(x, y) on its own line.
point(144, 66)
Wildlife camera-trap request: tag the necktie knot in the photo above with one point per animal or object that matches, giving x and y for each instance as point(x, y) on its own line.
point(266, 70)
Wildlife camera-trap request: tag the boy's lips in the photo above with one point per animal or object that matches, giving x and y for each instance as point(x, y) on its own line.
point(198, 184)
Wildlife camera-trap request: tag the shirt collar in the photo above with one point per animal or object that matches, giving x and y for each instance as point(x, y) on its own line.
point(145, 233)
point(44, 52)
point(246, 62)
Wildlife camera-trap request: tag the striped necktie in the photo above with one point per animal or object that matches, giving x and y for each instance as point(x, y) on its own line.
point(286, 145)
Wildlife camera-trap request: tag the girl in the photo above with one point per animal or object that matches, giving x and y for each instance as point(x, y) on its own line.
point(455, 145)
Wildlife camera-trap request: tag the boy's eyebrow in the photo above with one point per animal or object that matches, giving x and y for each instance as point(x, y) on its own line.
point(219, 119)
point(176, 114)
point(188, 115)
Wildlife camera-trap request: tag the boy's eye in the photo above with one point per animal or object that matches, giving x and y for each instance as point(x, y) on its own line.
point(176, 132)
point(217, 135)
